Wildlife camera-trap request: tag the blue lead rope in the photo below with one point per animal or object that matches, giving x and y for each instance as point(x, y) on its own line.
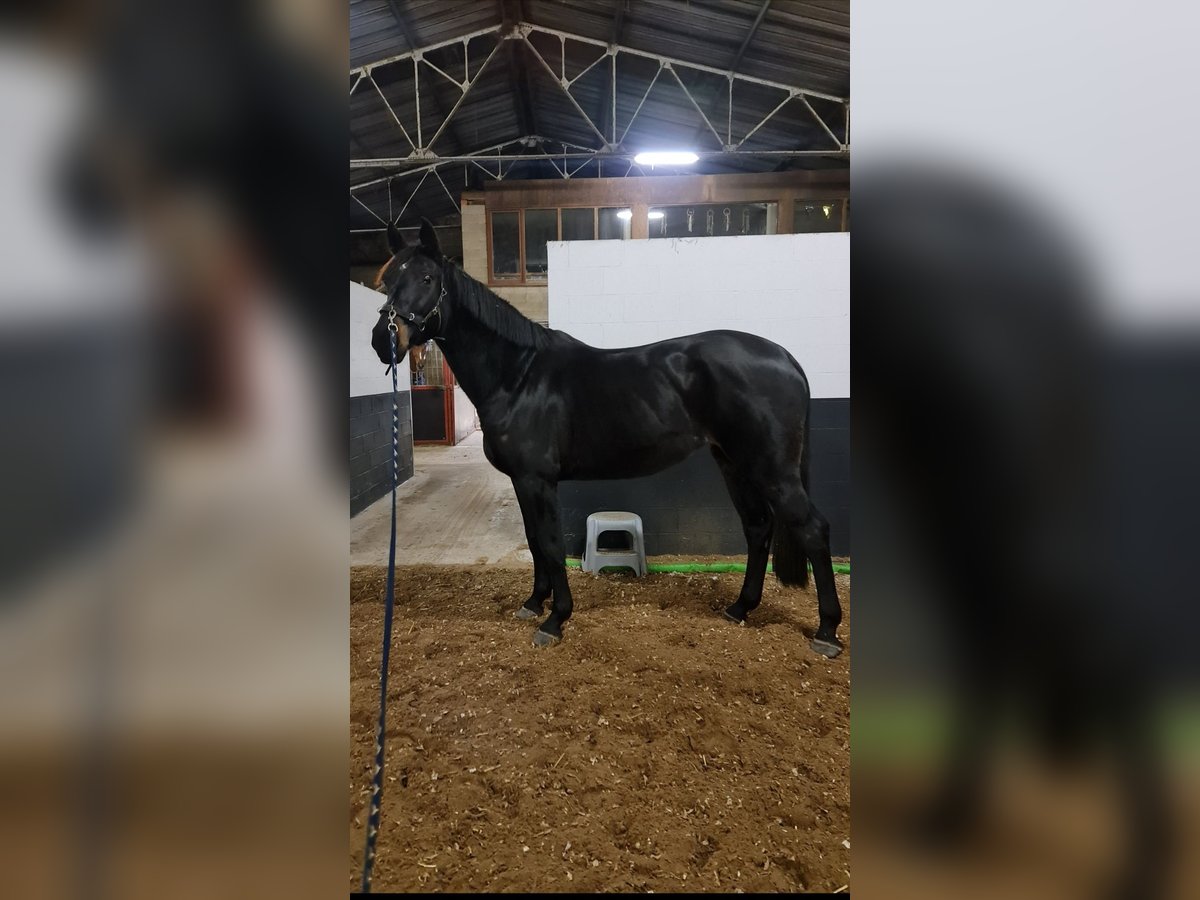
point(377, 777)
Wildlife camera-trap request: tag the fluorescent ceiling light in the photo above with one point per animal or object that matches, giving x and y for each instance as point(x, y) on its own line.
point(656, 214)
point(666, 158)
point(624, 213)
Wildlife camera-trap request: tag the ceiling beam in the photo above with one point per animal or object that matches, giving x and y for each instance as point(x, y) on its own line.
point(519, 85)
point(484, 154)
point(737, 59)
point(527, 28)
point(518, 77)
point(404, 164)
point(407, 54)
point(606, 110)
point(680, 63)
point(515, 26)
point(408, 32)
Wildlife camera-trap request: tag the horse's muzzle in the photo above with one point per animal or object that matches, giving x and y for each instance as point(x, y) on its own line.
point(381, 345)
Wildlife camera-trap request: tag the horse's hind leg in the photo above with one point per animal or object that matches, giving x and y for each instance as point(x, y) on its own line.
point(757, 525)
point(815, 536)
point(794, 510)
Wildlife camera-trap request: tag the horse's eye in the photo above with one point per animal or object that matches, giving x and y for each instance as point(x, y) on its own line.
point(428, 279)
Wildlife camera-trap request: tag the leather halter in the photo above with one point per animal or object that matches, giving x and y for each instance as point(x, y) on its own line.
point(411, 318)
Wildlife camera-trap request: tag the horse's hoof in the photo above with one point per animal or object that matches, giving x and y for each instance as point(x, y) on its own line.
point(826, 648)
point(541, 639)
point(732, 618)
point(526, 613)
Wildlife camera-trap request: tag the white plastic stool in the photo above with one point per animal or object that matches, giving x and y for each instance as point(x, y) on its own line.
point(594, 559)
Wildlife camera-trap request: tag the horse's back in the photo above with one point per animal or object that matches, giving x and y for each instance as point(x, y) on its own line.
point(654, 404)
point(737, 374)
point(718, 351)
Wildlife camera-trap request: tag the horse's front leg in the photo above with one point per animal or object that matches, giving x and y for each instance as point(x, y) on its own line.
point(539, 506)
point(541, 587)
point(532, 608)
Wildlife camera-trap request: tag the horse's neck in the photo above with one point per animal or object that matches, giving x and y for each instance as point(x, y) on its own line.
point(485, 364)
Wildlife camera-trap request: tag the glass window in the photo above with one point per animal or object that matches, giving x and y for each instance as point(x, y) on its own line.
point(615, 223)
point(579, 224)
point(541, 225)
point(817, 215)
point(713, 220)
point(506, 245)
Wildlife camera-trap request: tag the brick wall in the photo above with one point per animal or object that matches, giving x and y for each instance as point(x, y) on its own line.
point(371, 447)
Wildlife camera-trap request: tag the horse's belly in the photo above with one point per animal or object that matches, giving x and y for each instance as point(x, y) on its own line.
point(628, 456)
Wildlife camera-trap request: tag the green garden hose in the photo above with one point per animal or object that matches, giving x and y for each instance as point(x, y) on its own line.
point(840, 568)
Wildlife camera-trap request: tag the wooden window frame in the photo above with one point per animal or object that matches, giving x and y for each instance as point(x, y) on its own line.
point(523, 279)
point(670, 191)
point(493, 281)
point(526, 279)
point(595, 217)
point(843, 215)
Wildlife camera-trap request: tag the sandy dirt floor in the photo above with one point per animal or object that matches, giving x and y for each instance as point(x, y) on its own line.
point(658, 747)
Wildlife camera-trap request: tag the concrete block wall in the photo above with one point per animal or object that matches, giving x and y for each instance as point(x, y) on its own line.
point(791, 288)
point(371, 408)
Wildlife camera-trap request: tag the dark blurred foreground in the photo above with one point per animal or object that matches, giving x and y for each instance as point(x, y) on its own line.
point(174, 601)
point(173, 519)
point(1024, 479)
point(1026, 332)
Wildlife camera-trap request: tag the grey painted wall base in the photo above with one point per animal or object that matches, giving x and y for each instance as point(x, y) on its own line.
point(686, 509)
point(371, 447)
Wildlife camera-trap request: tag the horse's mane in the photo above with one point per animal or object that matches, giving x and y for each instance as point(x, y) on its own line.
point(378, 283)
point(487, 308)
point(493, 312)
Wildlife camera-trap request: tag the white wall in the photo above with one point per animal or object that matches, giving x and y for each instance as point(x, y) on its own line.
point(367, 374)
point(791, 288)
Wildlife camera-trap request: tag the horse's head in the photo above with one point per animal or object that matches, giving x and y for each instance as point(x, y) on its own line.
point(412, 281)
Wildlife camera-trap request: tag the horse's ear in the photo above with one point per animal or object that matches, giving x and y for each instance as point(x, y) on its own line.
point(429, 241)
point(395, 241)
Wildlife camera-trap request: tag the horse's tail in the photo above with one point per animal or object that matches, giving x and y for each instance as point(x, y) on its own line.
point(791, 565)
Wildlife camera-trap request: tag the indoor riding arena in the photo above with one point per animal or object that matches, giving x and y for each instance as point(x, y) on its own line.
point(618, 174)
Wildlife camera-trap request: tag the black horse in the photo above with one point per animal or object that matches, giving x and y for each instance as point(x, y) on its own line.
point(553, 408)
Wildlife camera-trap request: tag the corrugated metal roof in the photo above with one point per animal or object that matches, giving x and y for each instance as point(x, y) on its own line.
point(804, 43)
